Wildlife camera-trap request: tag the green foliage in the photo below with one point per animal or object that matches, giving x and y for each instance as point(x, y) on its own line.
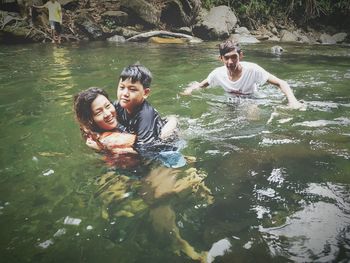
point(305, 9)
point(211, 3)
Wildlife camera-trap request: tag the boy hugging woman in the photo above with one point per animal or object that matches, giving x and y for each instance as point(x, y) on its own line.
point(128, 125)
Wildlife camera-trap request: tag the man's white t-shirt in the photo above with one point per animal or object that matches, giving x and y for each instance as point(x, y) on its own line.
point(54, 11)
point(252, 76)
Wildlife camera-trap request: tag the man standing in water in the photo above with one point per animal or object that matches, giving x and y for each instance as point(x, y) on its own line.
point(241, 79)
point(55, 19)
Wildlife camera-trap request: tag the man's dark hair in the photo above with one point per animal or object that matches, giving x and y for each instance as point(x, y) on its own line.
point(82, 107)
point(136, 73)
point(228, 46)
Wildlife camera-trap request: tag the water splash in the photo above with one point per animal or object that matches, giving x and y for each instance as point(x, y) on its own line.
point(342, 121)
point(219, 248)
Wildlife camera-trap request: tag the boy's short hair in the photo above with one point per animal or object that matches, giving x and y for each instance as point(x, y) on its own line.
point(137, 72)
point(228, 46)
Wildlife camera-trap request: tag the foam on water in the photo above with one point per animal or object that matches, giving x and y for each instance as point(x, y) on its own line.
point(243, 136)
point(281, 121)
point(269, 142)
point(330, 148)
point(322, 123)
point(277, 176)
point(45, 244)
point(333, 191)
point(325, 106)
point(219, 248)
point(268, 192)
point(261, 211)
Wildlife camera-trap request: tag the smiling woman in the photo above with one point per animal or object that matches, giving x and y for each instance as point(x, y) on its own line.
point(97, 119)
point(104, 114)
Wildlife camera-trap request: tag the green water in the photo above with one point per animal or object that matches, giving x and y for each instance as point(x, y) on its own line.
point(280, 178)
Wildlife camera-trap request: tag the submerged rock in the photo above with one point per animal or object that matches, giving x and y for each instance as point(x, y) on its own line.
point(277, 50)
point(116, 38)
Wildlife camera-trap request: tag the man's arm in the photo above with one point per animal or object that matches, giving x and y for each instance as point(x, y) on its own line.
point(284, 86)
point(60, 12)
point(195, 86)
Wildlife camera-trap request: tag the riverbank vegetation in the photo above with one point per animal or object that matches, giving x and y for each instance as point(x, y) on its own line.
point(307, 21)
point(302, 12)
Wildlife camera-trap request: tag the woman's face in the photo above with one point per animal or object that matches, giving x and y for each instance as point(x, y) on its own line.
point(103, 113)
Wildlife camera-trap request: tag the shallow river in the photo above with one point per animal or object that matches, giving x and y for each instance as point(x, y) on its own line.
point(279, 178)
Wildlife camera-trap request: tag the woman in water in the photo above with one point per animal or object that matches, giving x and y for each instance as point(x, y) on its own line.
point(98, 122)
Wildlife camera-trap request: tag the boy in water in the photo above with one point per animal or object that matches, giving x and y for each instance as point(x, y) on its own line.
point(134, 112)
point(241, 79)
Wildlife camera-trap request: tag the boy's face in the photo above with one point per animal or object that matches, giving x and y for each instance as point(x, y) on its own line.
point(231, 59)
point(131, 95)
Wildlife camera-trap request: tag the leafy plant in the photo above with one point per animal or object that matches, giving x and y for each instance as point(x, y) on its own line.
point(297, 9)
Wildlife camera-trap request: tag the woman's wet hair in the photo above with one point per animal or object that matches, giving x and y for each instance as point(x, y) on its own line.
point(228, 46)
point(82, 107)
point(137, 72)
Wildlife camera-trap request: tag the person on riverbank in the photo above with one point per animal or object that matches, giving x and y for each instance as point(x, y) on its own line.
point(241, 79)
point(55, 19)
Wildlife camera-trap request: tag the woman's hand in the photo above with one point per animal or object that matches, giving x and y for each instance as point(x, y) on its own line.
point(93, 144)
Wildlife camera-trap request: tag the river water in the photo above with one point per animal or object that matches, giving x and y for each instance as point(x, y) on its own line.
point(279, 178)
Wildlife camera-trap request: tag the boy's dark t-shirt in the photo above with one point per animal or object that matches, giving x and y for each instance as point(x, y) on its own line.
point(146, 123)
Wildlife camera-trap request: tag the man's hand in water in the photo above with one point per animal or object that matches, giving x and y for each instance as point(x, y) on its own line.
point(195, 85)
point(296, 105)
point(186, 92)
point(190, 87)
